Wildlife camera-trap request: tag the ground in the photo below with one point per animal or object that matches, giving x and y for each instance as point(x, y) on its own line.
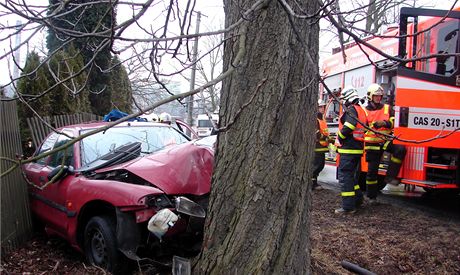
point(385, 239)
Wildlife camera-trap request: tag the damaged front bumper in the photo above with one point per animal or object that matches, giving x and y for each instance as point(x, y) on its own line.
point(171, 222)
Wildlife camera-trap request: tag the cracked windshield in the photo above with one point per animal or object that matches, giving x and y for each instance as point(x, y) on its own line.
point(151, 138)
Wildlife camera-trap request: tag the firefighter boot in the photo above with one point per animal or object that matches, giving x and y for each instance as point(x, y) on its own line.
point(315, 185)
point(341, 211)
point(393, 171)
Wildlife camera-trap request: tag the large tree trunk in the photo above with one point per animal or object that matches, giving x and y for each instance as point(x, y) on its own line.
point(258, 221)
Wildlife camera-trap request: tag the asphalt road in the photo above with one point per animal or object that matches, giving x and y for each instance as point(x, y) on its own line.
point(440, 205)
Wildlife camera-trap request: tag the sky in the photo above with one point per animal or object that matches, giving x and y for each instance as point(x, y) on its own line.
point(212, 19)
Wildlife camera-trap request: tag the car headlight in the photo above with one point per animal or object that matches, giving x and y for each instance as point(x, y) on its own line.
point(186, 206)
point(159, 201)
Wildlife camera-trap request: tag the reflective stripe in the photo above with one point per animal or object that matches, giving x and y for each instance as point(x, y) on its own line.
point(375, 139)
point(341, 135)
point(371, 182)
point(348, 194)
point(349, 125)
point(356, 187)
point(372, 148)
point(395, 160)
point(350, 151)
point(386, 109)
point(321, 149)
point(386, 145)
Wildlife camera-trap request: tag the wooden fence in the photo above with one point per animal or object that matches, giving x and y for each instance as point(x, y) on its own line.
point(15, 215)
point(16, 222)
point(40, 127)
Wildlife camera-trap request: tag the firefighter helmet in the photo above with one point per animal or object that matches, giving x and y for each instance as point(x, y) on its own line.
point(321, 103)
point(374, 89)
point(165, 118)
point(349, 94)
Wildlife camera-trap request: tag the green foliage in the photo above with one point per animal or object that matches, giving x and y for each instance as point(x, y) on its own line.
point(97, 17)
point(69, 97)
point(30, 86)
point(120, 87)
point(72, 95)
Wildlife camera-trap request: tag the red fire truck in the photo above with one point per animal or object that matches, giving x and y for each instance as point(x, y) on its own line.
point(425, 92)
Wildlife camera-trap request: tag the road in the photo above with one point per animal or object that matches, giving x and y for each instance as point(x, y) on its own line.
point(446, 205)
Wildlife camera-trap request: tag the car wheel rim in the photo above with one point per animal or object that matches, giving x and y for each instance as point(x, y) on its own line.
point(98, 248)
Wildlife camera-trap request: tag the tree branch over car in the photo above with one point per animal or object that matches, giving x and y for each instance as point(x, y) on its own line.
point(259, 206)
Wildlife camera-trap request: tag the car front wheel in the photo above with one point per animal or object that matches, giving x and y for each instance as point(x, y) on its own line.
point(101, 245)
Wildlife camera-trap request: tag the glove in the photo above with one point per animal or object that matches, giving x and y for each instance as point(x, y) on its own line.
point(379, 124)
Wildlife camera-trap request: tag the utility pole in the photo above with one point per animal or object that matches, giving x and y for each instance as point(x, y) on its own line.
point(192, 76)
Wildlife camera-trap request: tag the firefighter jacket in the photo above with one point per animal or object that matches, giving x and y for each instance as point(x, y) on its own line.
point(350, 135)
point(378, 112)
point(322, 135)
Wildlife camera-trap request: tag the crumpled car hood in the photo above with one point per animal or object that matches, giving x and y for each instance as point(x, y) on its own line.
point(181, 169)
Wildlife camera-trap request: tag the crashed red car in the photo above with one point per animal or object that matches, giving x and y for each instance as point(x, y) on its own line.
point(139, 189)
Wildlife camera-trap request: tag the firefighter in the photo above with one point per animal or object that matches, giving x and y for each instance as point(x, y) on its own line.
point(380, 118)
point(322, 143)
point(350, 146)
point(165, 118)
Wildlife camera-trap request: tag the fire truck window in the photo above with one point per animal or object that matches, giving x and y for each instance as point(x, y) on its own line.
point(441, 39)
point(447, 43)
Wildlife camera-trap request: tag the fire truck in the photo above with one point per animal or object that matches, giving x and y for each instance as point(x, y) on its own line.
point(424, 91)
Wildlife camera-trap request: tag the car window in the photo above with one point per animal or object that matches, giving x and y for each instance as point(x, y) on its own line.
point(46, 146)
point(63, 157)
point(152, 138)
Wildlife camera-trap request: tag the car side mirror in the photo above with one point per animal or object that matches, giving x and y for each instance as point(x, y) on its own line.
point(60, 172)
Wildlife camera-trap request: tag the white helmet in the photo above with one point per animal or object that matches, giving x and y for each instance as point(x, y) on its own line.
point(165, 118)
point(349, 94)
point(374, 89)
point(321, 103)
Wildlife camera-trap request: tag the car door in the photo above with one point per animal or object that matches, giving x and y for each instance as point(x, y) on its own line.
point(50, 202)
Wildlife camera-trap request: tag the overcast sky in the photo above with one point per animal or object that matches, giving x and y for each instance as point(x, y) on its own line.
point(212, 19)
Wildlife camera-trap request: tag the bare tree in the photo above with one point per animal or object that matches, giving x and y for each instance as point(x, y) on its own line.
point(258, 219)
point(365, 17)
point(208, 69)
point(259, 213)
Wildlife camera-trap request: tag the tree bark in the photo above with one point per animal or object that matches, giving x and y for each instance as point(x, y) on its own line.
point(258, 219)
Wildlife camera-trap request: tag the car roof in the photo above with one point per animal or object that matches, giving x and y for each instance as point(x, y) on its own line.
point(93, 125)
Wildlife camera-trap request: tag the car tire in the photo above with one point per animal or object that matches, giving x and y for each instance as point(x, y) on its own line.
point(100, 244)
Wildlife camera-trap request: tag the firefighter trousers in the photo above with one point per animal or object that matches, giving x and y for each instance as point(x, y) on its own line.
point(373, 161)
point(348, 180)
point(373, 157)
point(398, 152)
point(318, 165)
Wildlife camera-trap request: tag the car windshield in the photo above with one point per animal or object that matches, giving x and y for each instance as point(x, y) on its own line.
point(152, 138)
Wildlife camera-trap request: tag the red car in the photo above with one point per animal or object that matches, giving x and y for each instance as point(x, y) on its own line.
point(135, 190)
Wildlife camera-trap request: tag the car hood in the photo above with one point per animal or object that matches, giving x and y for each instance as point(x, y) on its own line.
point(181, 169)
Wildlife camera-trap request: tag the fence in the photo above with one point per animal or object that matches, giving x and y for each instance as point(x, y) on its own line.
point(16, 222)
point(40, 129)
